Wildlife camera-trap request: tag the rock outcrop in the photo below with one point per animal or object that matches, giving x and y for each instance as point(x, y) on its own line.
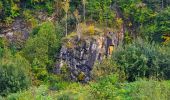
point(81, 54)
point(18, 26)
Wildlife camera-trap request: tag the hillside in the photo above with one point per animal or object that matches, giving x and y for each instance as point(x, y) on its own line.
point(84, 49)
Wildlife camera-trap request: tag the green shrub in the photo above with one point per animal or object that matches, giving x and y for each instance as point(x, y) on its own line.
point(74, 91)
point(1, 48)
point(108, 87)
point(14, 74)
point(149, 90)
point(34, 93)
point(143, 59)
point(41, 48)
point(105, 67)
point(57, 83)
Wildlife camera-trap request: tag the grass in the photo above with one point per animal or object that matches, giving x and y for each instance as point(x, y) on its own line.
point(104, 88)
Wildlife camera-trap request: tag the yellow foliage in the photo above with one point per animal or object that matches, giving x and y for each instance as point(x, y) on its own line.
point(81, 76)
point(27, 14)
point(91, 29)
point(33, 22)
point(167, 40)
point(66, 5)
point(111, 49)
point(70, 35)
point(1, 6)
point(15, 7)
point(9, 20)
point(119, 21)
point(130, 24)
point(69, 44)
point(87, 30)
point(76, 14)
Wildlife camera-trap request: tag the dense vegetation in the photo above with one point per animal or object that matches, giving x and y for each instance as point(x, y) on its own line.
point(138, 68)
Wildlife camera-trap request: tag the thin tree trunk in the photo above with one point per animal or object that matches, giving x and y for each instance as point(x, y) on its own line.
point(84, 11)
point(66, 24)
point(78, 31)
point(162, 4)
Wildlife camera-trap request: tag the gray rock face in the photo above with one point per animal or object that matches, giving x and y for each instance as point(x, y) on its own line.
point(18, 26)
point(85, 52)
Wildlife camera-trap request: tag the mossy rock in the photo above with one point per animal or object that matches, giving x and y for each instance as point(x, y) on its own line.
point(81, 76)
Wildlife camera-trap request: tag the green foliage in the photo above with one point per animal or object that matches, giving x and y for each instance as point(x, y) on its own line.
point(40, 49)
point(157, 5)
point(159, 26)
point(57, 83)
point(107, 87)
point(163, 22)
point(149, 90)
point(10, 10)
point(104, 87)
point(73, 91)
point(34, 93)
point(135, 15)
point(142, 19)
point(142, 59)
point(146, 18)
point(103, 68)
point(41, 4)
point(128, 38)
point(1, 47)
point(14, 73)
point(99, 10)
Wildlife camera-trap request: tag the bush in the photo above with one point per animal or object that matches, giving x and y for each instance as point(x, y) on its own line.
point(105, 67)
point(14, 74)
point(149, 90)
point(1, 48)
point(41, 48)
point(108, 87)
point(34, 93)
point(56, 83)
point(104, 88)
point(143, 59)
point(74, 91)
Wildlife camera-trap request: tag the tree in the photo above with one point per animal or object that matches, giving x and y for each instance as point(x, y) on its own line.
point(66, 5)
point(14, 73)
point(158, 26)
point(143, 60)
point(40, 49)
point(84, 9)
point(77, 16)
point(100, 10)
point(10, 10)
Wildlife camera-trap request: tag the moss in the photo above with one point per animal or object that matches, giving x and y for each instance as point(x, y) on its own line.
point(167, 40)
point(69, 45)
point(81, 76)
point(91, 30)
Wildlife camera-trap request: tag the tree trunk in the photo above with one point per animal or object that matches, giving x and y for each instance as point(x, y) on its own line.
point(78, 31)
point(66, 24)
point(162, 4)
point(84, 11)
